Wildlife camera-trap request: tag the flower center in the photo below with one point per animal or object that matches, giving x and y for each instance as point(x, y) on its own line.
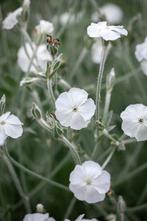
point(2, 122)
point(88, 181)
point(75, 109)
point(140, 120)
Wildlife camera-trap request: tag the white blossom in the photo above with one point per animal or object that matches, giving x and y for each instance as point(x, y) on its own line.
point(44, 27)
point(10, 126)
point(40, 61)
point(80, 218)
point(38, 217)
point(26, 3)
point(106, 32)
point(96, 51)
point(134, 121)
point(12, 19)
point(141, 51)
point(112, 12)
point(89, 182)
point(74, 109)
point(141, 55)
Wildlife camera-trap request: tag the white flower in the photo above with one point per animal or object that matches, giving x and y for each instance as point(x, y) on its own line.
point(74, 109)
point(135, 121)
point(112, 12)
point(107, 32)
point(96, 51)
point(12, 19)
point(39, 63)
point(26, 3)
point(38, 217)
point(89, 182)
point(141, 51)
point(44, 27)
point(80, 218)
point(10, 126)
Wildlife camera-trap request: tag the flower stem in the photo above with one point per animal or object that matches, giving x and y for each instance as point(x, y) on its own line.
point(16, 182)
point(70, 207)
point(72, 148)
point(99, 85)
point(50, 91)
point(109, 157)
point(30, 172)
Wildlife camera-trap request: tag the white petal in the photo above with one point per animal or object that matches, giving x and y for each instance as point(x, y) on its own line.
point(79, 192)
point(93, 31)
point(96, 51)
point(78, 96)
point(12, 119)
point(87, 109)
point(92, 196)
point(45, 27)
point(102, 182)
point(78, 122)
point(63, 102)
point(3, 136)
point(144, 66)
point(129, 128)
point(64, 117)
point(141, 133)
point(77, 175)
point(109, 35)
point(12, 19)
point(92, 168)
point(36, 217)
point(4, 116)
point(13, 131)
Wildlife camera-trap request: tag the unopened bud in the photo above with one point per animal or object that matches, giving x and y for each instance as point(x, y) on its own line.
point(28, 80)
point(111, 217)
point(40, 208)
point(2, 103)
point(110, 79)
point(36, 112)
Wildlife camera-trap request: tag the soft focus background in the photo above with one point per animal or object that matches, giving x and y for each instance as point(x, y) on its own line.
point(41, 154)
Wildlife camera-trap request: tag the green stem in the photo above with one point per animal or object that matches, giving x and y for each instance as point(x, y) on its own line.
point(72, 148)
point(109, 157)
point(16, 182)
point(50, 91)
point(69, 209)
point(99, 85)
point(51, 182)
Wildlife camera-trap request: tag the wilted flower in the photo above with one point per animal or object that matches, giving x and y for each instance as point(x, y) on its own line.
point(10, 126)
point(112, 12)
point(96, 51)
point(141, 55)
point(12, 19)
point(135, 121)
point(38, 217)
point(74, 109)
point(44, 27)
point(40, 61)
point(89, 182)
point(107, 32)
point(80, 218)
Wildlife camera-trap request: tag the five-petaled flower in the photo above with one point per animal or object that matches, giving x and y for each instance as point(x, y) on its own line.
point(74, 109)
point(38, 217)
point(80, 218)
point(89, 182)
point(12, 19)
point(134, 121)
point(10, 126)
point(39, 63)
point(106, 32)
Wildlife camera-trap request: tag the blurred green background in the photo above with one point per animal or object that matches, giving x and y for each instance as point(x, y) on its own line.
point(36, 150)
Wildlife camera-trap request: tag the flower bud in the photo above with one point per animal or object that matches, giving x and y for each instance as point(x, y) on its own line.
point(2, 103)
point(36, 112)
point(28, 80)
point(110, 79)
point(40, 208)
